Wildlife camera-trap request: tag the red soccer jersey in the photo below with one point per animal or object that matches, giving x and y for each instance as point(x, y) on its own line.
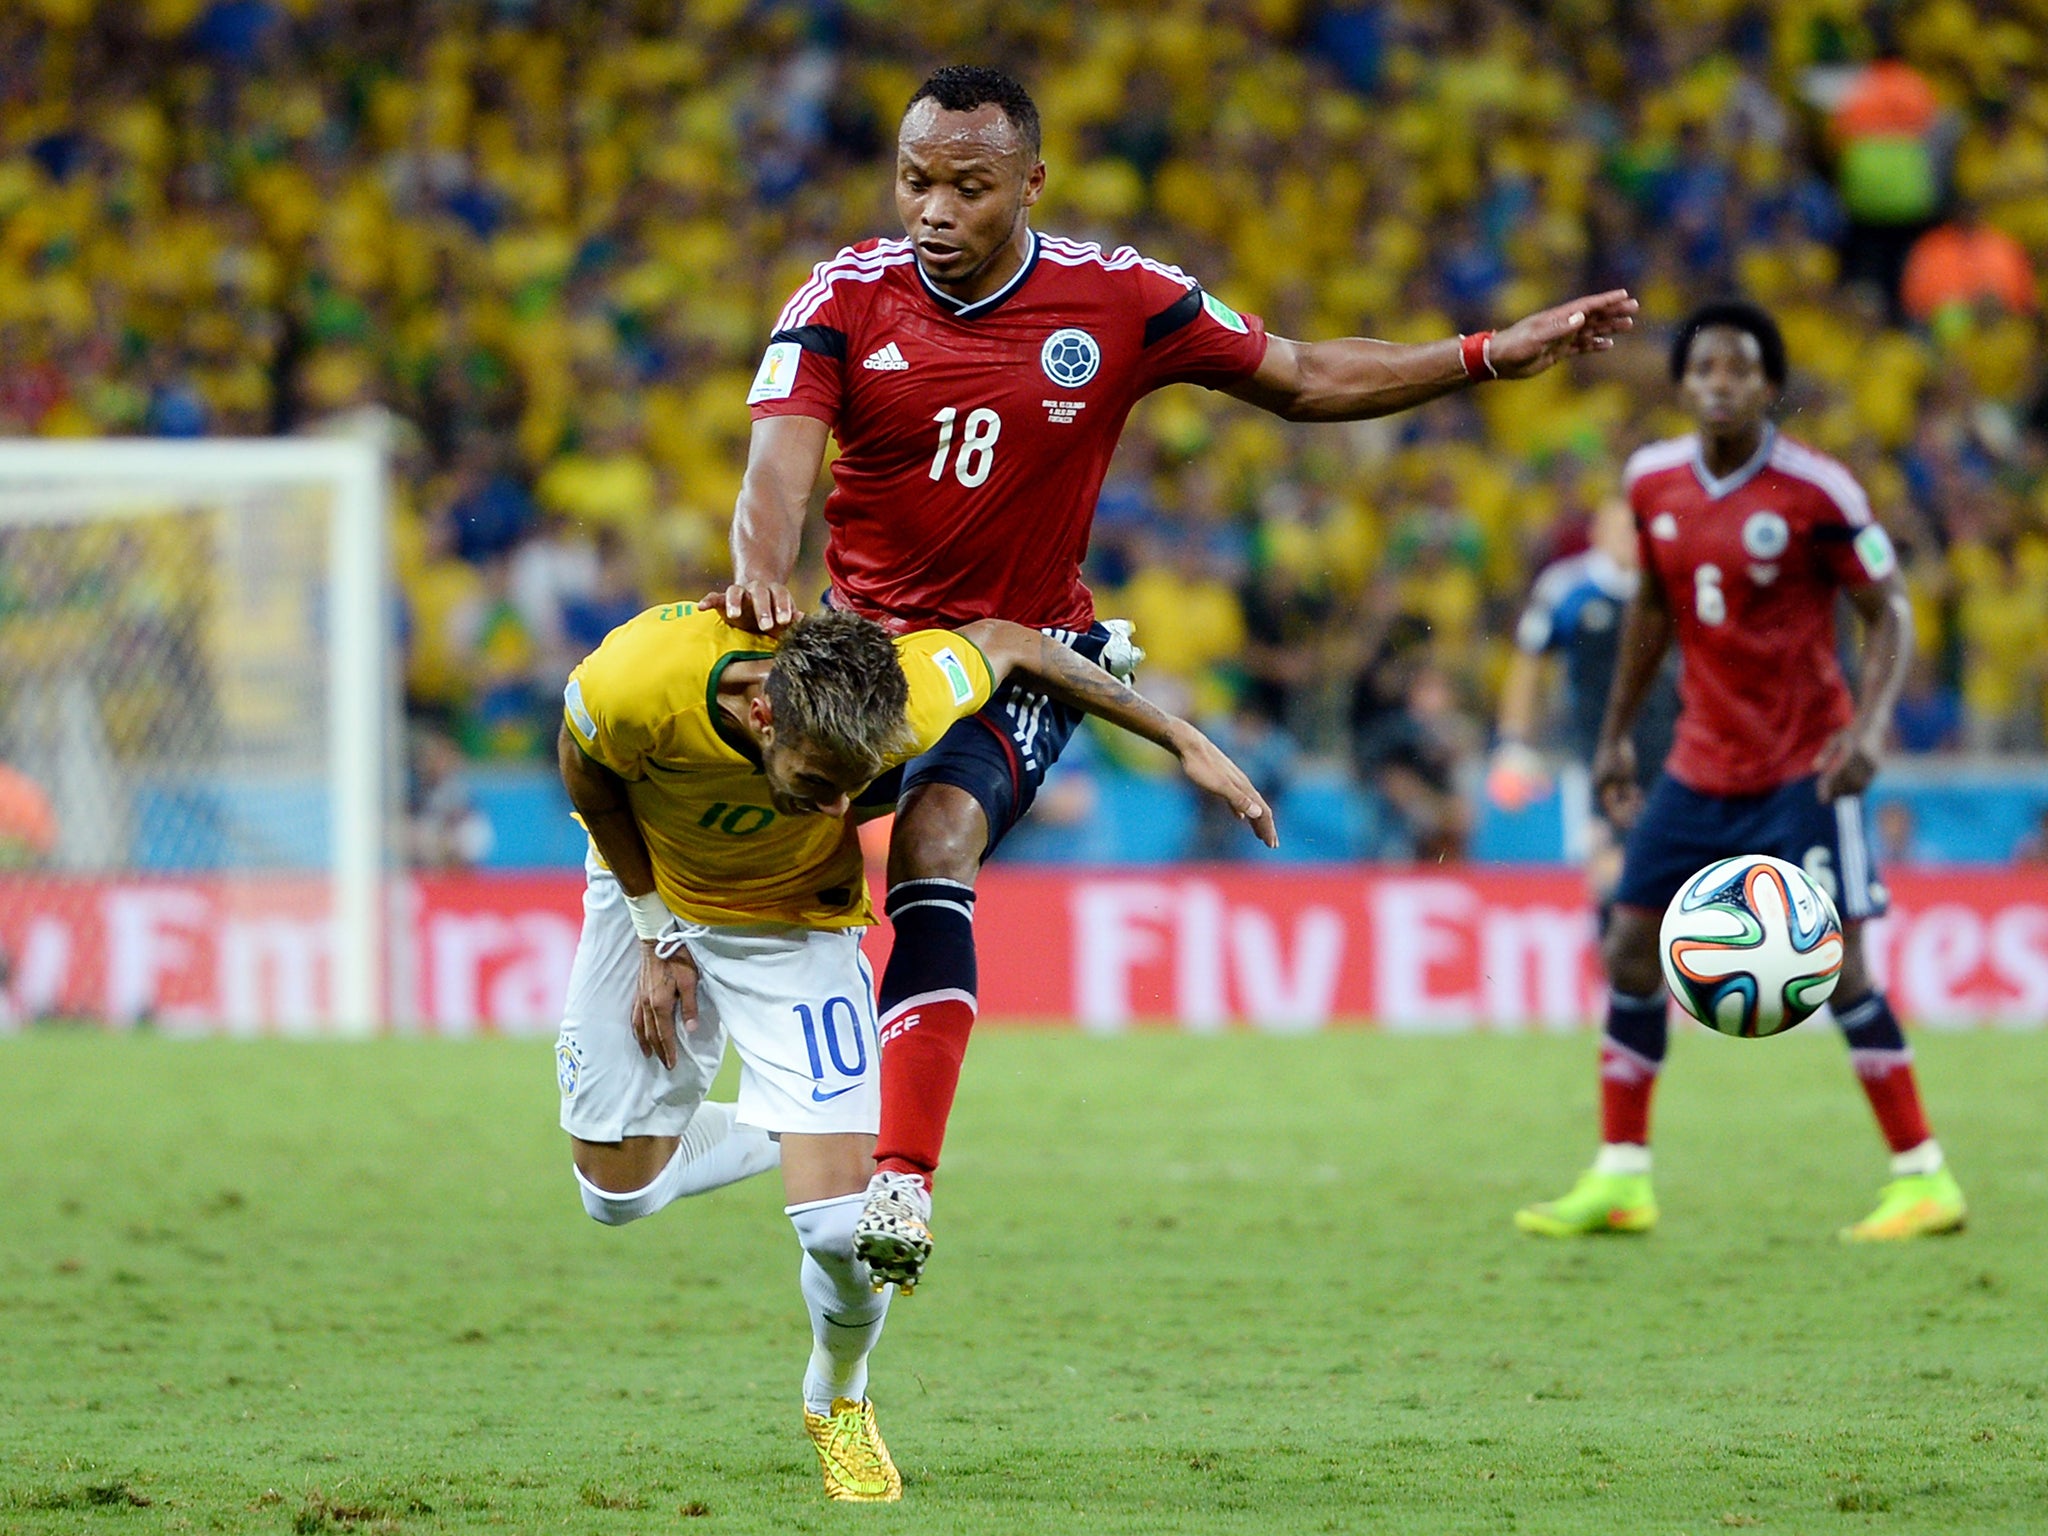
point(973, 439)
point(1749, 567)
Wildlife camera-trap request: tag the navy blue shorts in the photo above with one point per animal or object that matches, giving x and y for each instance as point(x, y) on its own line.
point(1681, 831)
point(1000, 755)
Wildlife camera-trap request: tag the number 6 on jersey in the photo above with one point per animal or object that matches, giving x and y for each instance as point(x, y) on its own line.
point(1709, 602)
point(977, 445)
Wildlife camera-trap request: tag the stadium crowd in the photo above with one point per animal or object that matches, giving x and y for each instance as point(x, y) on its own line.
point(538, 244)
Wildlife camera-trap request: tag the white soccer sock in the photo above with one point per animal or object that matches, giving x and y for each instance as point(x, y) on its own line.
point(846, 1313)
point(1925, 1158)
point(721, 1151)
point(714, 1150)
point(1621, 1157)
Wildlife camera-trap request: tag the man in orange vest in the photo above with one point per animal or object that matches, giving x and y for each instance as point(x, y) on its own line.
point(1886, 133)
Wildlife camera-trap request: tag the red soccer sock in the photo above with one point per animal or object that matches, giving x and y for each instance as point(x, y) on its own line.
point(1884, 1065)
point(1894, 1094)
point(1632, 1050)
point(927, 1005)
point(1627, 1080)
point(923, 1043)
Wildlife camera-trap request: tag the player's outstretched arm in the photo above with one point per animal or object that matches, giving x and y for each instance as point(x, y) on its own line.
point(1645, 637)
point(1848, 762)
point(1082, 685)
point(1355, 378)
point(784, 456)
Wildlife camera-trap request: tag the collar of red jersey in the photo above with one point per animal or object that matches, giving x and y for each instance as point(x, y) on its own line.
point(979, 307)
point(1716, 489)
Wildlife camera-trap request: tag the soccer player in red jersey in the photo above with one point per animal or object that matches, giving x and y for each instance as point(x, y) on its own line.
point(977, 376)
point(1747, 537)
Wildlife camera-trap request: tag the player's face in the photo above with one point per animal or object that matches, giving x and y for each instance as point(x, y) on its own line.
point(1723, 387)
point(963, 181)
point(803, 781)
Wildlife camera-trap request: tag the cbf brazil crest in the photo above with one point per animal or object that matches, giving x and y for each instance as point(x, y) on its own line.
point(1070, 357)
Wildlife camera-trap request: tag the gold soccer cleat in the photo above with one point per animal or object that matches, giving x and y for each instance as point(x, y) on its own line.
point(856, 1464)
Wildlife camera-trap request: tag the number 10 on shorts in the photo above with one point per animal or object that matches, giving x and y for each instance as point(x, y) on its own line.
point(833, 1034)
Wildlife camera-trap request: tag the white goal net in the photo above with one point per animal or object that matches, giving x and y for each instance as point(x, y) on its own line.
point(196, 720)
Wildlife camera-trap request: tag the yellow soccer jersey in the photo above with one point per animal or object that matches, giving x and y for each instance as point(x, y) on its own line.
point(645, 704)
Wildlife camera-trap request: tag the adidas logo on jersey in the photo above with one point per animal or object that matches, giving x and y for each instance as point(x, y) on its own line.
point(886, 360)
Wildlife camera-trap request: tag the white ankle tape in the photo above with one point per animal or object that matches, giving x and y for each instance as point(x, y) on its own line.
point(1622, 1157)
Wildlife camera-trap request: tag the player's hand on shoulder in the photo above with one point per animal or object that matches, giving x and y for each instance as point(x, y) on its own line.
point(1616, 789)
point(765, 607)
point(1212, 772)
point(1847, 763)
point(666, 997)
point(1587, 324)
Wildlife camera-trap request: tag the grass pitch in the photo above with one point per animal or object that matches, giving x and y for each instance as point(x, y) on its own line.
point(1184, 1284)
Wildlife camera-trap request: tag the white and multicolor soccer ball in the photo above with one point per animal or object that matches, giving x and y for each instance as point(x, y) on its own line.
point(1751, 946)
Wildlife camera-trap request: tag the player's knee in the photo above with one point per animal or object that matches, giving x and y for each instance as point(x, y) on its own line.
point(940, 833)
point(825, 1230)
point(1855, 982)
point(613, 1208)
point(1628, 951)
point(609, 1209)
point(616, 1188)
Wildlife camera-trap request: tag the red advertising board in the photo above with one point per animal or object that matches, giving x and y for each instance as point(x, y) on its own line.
point(1201, 948)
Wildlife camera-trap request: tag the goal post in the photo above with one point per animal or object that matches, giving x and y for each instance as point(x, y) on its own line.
point(197, 672)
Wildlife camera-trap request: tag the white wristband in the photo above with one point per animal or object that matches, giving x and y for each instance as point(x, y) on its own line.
point(650, 915)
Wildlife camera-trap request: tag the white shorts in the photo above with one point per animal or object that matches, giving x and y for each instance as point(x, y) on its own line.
point(798, 1003)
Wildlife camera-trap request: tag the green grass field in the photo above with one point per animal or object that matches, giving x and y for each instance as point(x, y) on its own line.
point(1183, 1285)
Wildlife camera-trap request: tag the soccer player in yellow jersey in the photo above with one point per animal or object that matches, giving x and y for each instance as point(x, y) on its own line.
point(718, 773)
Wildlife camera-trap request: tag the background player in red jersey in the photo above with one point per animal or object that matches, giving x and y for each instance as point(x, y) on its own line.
point(977, 376)
point(1747, 538)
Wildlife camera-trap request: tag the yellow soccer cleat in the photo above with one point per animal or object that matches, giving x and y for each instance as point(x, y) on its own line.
point(856, 1463)
point(1918, 1205)
point(1599, 1202)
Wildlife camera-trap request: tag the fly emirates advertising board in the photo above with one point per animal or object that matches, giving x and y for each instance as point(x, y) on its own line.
point(1196, 948)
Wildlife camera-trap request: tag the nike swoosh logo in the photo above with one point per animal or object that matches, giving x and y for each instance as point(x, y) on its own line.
point(826, 1098)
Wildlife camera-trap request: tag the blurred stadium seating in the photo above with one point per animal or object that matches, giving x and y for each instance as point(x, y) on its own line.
point(537, 245)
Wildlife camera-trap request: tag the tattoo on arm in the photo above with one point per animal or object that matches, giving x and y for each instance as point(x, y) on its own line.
point(1080, 683)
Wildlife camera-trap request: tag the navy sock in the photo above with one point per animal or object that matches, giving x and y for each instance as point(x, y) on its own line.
point(1640, 1025)
point(934, 950)
point(1870, 1025)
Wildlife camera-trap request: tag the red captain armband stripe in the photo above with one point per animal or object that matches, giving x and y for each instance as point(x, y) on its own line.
point(1476, 353)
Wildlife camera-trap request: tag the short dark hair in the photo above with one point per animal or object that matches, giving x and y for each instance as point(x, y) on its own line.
point(837, 683)
point(963, 87)
point(1737, 315)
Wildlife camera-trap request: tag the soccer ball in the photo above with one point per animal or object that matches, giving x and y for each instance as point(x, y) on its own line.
point(1750, 946)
